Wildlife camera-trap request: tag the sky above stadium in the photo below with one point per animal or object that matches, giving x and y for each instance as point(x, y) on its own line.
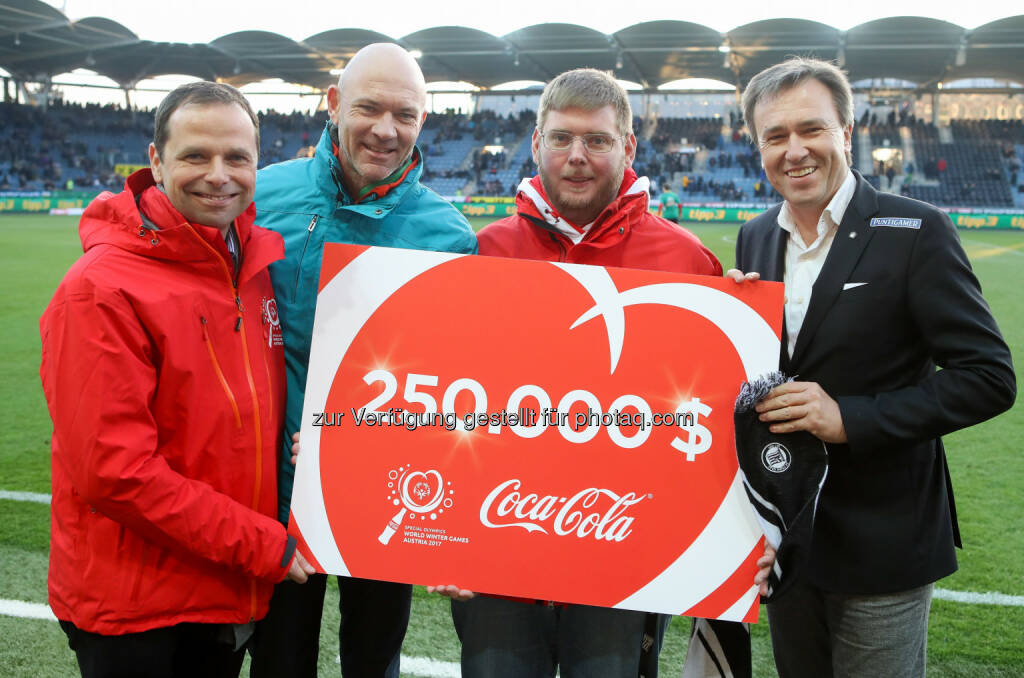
point(204, 20)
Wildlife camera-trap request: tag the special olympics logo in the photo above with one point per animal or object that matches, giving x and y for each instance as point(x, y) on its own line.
point(270, 311)
point(776, 458)
point(272, 323)
point(421, 492)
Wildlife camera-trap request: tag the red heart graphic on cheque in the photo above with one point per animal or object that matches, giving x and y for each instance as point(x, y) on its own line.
point(421, 491)
point(541, 514)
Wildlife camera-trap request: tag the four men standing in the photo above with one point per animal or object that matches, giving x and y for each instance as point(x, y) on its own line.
point(167, 445)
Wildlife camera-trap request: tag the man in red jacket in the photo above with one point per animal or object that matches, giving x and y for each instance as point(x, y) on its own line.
point(585, 206)
point(163, 371)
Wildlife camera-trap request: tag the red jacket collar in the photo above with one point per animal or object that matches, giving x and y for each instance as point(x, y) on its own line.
point(156, 206)
point(532, 202)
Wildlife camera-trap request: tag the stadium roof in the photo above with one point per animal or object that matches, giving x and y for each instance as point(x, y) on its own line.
point(38, 42)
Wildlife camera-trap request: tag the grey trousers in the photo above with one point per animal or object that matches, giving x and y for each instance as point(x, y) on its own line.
point(816, 634)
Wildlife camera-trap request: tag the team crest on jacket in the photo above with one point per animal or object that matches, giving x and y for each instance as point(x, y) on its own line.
point(271, 323)
point(776, 458)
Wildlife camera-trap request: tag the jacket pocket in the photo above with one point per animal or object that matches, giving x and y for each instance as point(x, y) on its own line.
point(219, 372)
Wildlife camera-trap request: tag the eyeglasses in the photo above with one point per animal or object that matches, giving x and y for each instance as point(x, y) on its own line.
point(557, 140)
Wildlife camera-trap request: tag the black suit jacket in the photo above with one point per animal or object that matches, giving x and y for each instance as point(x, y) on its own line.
point(886, 520)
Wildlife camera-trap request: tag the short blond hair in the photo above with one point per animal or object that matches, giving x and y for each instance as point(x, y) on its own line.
point(587, 89)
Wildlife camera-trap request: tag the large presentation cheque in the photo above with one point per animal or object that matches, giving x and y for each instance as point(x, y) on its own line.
point(534, 429)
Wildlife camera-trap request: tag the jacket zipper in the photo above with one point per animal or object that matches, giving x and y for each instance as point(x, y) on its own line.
point(563, 253)
point(258, 481)
point(220, 374)
point(257, 422)
point(309, 234)
point(270, 382)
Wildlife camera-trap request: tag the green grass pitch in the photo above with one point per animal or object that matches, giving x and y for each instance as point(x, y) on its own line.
point(988, 473)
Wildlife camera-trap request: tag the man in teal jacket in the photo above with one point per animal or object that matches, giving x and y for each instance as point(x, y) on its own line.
point(362, 187)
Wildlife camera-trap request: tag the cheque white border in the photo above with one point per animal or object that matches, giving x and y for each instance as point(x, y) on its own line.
point(356, 292)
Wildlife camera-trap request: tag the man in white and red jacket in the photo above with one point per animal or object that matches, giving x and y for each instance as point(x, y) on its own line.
point(586, 206)
point(162, 366)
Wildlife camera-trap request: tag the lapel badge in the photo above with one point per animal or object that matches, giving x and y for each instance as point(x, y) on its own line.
point(853, 234)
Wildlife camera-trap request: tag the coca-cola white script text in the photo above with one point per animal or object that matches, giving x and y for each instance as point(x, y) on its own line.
point(566, 515)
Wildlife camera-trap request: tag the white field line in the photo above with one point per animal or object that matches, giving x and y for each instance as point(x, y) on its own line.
point(35, 497)
point(968, 597)
point(971, 598)
point(426, 667)
point(20, 608)
point(417, 666)
point(430, 668)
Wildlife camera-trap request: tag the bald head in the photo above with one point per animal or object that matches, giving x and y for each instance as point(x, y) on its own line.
point(384, 61)
point(379, 105)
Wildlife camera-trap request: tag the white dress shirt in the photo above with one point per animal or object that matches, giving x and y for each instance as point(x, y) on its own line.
point(804, 262)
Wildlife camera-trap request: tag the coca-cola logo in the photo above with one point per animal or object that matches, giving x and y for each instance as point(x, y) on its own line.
point(583, 414)
point(591, 512)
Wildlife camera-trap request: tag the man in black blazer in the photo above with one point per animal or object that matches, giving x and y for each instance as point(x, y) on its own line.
point(878, 293)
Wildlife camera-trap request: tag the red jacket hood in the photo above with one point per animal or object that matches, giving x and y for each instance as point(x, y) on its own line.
point(115, 219)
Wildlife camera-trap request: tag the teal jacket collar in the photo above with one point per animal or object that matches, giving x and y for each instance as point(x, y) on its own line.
point(329, 181)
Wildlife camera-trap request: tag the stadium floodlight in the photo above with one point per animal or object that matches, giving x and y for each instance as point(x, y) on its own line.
point(416, 54)
point(726, 51)
point(618, 60)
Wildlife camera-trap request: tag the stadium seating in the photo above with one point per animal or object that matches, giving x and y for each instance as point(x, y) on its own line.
point(83, 143)
point(975, 163)
point(970, 171)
